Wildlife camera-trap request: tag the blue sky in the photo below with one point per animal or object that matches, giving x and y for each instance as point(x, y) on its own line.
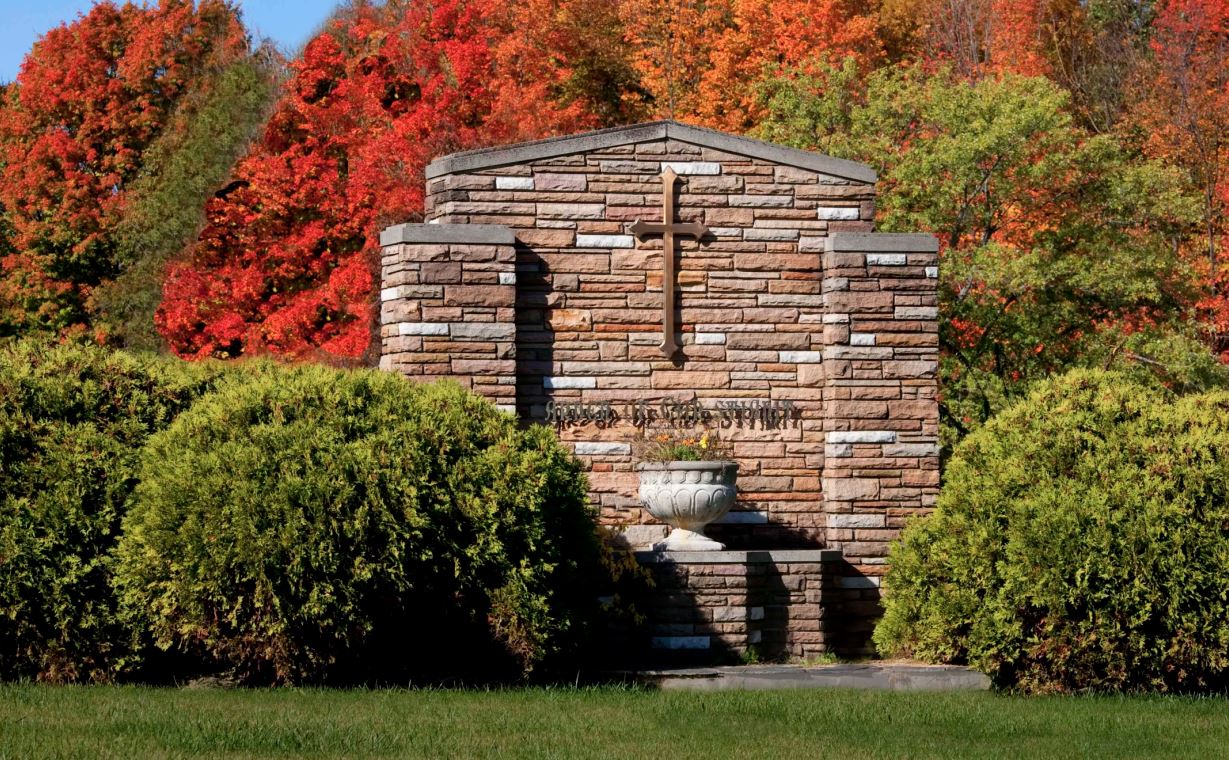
point(288, 22)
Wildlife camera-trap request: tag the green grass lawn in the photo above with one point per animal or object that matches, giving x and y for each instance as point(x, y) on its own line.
point(131, 722)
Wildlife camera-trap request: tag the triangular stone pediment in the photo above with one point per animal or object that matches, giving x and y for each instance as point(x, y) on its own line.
point(604, 139)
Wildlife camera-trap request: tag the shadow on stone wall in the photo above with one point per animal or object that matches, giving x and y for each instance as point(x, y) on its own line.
point(747, 606)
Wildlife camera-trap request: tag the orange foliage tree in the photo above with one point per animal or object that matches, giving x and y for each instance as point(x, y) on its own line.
point(286, 262)
point(91, 96)
point(671, 44)
point(768, 35)
point(702, 61)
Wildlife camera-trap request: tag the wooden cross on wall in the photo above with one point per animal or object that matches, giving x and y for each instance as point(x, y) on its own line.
point(668, 229)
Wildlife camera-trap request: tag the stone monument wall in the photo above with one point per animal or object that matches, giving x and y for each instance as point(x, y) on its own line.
point(807, 342)
point(750, 308)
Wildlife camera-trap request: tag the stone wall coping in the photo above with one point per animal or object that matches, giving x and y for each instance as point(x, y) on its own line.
point(459, 234)
point(588, 142)
point(883, 242)
point(774, 556)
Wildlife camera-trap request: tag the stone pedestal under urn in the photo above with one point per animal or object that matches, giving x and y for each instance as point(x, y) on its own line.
point(688, 496)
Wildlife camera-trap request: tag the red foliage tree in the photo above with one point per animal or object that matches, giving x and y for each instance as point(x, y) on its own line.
point(285, 264)
point(90, 98)
point(1182, 106)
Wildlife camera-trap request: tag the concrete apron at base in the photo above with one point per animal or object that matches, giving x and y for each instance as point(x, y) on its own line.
point(885, 676)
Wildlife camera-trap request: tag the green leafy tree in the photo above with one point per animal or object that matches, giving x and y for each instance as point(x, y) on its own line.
point(1057, 245)
point(186, 166)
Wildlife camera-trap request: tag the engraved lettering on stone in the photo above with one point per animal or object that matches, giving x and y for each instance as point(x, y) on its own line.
point(680, 414)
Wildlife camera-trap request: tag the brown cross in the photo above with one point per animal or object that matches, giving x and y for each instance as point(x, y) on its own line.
point(668, 230)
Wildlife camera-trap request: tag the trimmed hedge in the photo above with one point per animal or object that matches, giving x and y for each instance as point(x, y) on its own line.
point(72, 421)
point(1081, 543)
point(317, 525)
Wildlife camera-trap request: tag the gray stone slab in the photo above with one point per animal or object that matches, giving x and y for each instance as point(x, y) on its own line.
point(883, 676)
point(587, 142)
point(738, 557)
point(883, 242)
point(459, 234)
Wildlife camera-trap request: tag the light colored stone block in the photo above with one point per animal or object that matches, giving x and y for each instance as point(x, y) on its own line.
point(758, 234)
point(514, 183)
point(861, 339)
point(838, 450)
point(838, 213)
point(422, 328)
point(932, 272)
point(602, 448)
point(557, 383)
point(860, 436)
point(507, 278)
point(692, 167)
point(917, 312)
point(605, 241)
point(886, 259)
point(802, 357)
point(482, 331)
point(710, 338)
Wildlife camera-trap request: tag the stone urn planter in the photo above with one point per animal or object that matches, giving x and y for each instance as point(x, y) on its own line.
point(688, 496)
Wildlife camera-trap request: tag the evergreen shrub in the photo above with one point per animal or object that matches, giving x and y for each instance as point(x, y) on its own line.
point(1080, 543)
point(72, 420)
point(322, 525)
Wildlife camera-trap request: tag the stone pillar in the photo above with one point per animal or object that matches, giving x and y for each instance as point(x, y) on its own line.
point(447, 307)
point(881, 351)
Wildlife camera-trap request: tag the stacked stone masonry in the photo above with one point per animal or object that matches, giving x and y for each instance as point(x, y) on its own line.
point(447, 301)
point(790, 298)
point(720, 606)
